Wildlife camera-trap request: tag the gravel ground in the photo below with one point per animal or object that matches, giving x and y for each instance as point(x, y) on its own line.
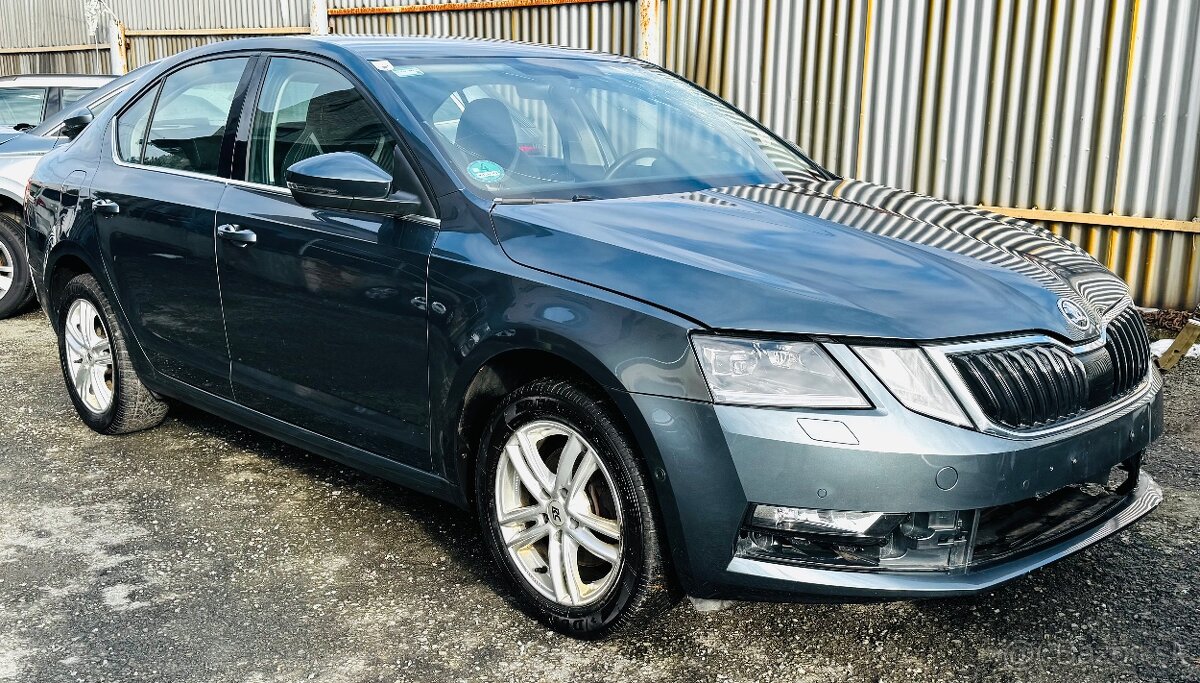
point(200, 551)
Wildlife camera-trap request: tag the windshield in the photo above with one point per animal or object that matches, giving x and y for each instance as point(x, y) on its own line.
point(563, 128)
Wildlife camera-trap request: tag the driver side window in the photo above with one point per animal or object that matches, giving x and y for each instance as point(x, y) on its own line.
point(306, 109)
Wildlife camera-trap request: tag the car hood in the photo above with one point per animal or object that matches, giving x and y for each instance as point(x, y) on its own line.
point(836, 257)
point(7, 134)
point(25, 144)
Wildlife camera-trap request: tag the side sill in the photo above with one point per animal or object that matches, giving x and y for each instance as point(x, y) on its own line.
point(410, 477)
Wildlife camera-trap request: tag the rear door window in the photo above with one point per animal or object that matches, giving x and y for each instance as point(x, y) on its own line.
point(188, 126)
point(131, 127)
point(22, 105)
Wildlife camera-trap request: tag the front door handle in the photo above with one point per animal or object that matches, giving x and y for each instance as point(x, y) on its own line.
point(106, 207)
point(236, 234)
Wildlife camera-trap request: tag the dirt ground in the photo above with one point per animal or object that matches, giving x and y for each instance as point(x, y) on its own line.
point(200, 551)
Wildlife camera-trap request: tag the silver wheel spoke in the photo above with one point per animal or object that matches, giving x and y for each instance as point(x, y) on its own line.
point(75, 341)
point(584, 472)
point(600, 525)
point(555, 562)
point(570, 562)
point(608, 552)
point(521, 515)
point(524, 457)
point(83, 381)
point(88, 323)
point(566, 463)
point(98, 386)
point(529, 536)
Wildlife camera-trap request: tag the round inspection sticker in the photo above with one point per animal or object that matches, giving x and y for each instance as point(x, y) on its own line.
point(485, 171)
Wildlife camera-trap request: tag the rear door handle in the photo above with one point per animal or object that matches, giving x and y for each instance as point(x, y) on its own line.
point(106, 207)
point(236, 234)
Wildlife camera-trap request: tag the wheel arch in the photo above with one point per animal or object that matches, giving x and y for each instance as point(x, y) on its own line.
point(64, 263)
point(495, 369)
point(10, 203)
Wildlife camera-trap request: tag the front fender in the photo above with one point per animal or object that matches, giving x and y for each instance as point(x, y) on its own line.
point(481, 305)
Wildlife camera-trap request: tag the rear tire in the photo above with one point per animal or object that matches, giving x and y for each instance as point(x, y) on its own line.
point(16, 285)
point(595, 565)
point(100, 378)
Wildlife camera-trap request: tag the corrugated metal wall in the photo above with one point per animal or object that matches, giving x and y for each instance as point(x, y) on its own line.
point(1086, 106)
point(607, 26)
point(59, 23)
point(209, 14)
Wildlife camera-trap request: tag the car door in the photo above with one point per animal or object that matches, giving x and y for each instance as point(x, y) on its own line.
point(155, 199)
point(324, 308)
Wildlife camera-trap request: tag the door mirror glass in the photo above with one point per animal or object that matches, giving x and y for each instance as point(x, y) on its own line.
point(74, 124)
point(347, 180)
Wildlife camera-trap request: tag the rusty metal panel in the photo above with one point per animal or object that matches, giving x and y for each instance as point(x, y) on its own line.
point(606, 26)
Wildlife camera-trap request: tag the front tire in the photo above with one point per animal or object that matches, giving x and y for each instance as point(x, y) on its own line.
point(100, 378)
point(566, 510)
point(16, 285)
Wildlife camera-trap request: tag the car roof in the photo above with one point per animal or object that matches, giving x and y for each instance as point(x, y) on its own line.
point(25, 80)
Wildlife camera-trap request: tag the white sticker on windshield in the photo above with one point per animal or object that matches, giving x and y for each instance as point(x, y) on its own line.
point(382, 64)
point(406, 71)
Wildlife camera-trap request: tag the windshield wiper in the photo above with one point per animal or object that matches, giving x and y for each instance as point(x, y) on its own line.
point(517, 201)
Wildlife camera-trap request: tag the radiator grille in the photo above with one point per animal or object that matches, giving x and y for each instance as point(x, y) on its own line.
point(1129, 347)
point(1038, 385)
point(1025, 387)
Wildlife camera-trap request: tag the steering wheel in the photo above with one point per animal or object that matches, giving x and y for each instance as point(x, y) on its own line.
point(628, 158)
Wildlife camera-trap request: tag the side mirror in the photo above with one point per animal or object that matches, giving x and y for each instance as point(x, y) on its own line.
point(347, 180)
point(74, 124)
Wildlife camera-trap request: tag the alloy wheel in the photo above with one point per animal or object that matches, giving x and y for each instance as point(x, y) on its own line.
point(7, 270)
point(89, 356)
point(558, 513)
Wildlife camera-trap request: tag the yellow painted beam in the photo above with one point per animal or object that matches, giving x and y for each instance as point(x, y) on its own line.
point(268, 31)
point(1111, 220)
point(1188, 336)
point(453, 6)
point(56, 48)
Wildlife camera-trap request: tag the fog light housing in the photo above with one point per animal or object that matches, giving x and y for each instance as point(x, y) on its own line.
point(831, 522)
point(912, 541)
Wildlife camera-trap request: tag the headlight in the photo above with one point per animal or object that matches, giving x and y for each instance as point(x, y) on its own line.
point(774, 373)
point(910, 376)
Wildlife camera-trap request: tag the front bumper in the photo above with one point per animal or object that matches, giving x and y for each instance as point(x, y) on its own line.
point(862, 584)
point(719, 460)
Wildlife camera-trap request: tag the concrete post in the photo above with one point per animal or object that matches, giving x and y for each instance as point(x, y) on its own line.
point(319, 17)
point(650, 39)
point(118, 59)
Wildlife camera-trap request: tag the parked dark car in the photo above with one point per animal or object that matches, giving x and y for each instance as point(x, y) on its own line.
point(19, 153)
point(658, 350)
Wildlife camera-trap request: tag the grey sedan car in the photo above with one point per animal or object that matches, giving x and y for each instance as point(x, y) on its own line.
point(655, 348)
